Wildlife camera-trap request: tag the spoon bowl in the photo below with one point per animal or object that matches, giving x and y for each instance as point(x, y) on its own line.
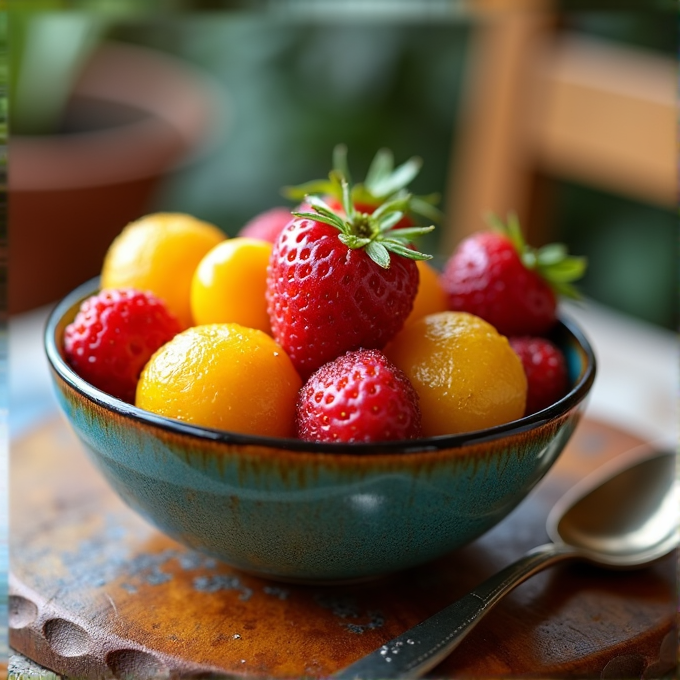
point(626, 514)
point(623, 515)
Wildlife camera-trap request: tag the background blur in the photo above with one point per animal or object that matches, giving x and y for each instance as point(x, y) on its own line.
point(277, 85)
point(567, 115)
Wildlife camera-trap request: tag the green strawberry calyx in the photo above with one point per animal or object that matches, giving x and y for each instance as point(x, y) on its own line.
point(374, 231)
point(382, 183)
point(551, 262)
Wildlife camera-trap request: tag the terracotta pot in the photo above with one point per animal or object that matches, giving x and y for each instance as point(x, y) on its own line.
point(70, 194)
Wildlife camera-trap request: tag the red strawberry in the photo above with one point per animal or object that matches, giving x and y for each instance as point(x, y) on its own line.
point(359, 397)
point(336, 283)
point(267, 225)
point(546, 371)
point(113, 335)
point(496, 276)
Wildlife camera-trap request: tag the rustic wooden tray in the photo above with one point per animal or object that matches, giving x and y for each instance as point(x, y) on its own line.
point(96, 592)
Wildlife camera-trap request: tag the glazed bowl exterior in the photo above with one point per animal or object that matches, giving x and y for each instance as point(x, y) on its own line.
point(311, 512)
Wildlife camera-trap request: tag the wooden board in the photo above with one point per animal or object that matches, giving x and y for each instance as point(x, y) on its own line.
point(96, 592)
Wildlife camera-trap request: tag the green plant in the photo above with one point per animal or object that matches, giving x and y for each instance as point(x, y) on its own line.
point(47, 43)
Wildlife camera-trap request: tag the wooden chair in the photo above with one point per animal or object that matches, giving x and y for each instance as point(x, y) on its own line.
point(540, 102)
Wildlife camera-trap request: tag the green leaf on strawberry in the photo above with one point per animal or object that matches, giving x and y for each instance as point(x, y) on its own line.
point(552, 262)
point(383, 182)
point(371, 231)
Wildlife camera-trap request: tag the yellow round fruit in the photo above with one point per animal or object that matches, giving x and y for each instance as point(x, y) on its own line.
point(223, 376)
point(230, 282)
point(466, 374)
point(159, 253)
point(430, 297)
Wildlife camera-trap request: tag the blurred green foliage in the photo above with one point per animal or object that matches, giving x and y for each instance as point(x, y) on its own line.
point(47, 43)
point(4, 79)
point(632, 251)
point(650, 30)
point(614, 7)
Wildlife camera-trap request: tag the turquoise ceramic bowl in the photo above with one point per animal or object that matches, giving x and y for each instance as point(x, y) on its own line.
point(311, 512)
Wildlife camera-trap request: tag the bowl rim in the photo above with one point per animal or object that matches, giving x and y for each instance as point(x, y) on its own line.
point(560, 408)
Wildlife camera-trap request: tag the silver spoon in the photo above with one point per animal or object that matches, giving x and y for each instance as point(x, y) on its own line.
point(623, 515)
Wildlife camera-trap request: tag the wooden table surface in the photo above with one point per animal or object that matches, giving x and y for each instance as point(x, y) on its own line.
point(95, 592)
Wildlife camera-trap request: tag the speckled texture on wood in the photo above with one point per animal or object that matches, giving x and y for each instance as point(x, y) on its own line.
point(96, 592)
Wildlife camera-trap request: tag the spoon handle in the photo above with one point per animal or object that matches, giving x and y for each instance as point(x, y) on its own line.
point(419, 649)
